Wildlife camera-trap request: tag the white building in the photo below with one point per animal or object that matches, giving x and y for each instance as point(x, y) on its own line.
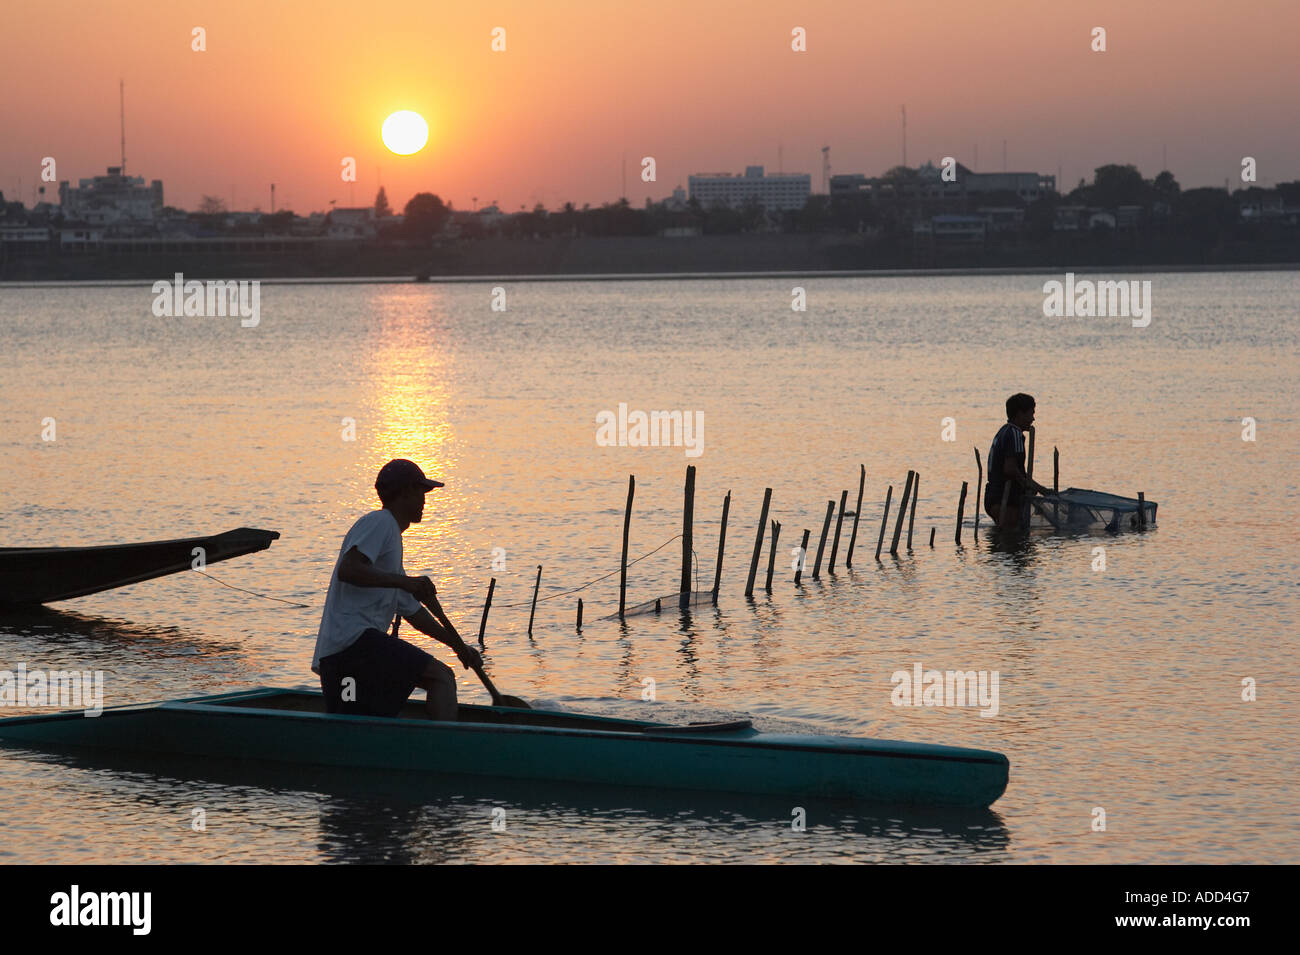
point(1258, 208)
point(236, 219)
point(309, 225)
point(677, 201)
point(80, 240)
point(490, 216)
point(1067, 218)
point(24, 238)
point(358, 223)
point(113, 198)
point(1002, 218)
point(1028, 186)
point(952, 229)
point(780, 192)
point(928, 184)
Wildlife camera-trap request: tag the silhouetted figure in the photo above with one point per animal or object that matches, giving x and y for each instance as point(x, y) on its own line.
point(363, 669)
point(1007, 466)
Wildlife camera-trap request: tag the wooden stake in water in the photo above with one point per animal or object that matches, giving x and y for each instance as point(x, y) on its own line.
point(979, 492)
point(482, 624)
point(722, 546)
point(758, 543)
point(580, 615)
point(932, 537)
point(1056, 487)
point(961, 511)
point(857, 513)
point(688, 537)
point(884, 521)
point(1029, 472)
point(1142, 510)
point(803, 558)
point(771, 555)
point(911, 517)
point(902, 512)
point(627, 524)
point(533, 611)
point(839, 522)
point(821, 547)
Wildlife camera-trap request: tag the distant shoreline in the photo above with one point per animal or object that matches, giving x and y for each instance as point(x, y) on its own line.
point(691, 276)
point(780, 256)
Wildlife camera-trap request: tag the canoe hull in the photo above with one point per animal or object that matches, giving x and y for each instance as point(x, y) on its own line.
point(572, 750)
point(39, 575)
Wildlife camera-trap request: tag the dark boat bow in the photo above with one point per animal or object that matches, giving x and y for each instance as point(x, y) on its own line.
point(38, 575)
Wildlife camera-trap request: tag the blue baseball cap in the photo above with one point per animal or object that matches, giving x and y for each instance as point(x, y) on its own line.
point(400, 473)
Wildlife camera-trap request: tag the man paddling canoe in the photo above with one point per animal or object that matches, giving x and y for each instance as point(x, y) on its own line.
point(363, 670)
point(1007, 465)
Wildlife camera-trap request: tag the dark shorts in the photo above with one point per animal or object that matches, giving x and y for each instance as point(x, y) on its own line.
point(993, 498)
point(383, 671)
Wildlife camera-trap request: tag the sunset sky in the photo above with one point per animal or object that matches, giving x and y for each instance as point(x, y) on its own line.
point(285, 90)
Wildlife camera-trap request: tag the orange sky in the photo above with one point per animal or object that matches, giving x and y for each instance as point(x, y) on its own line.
point(286, 89)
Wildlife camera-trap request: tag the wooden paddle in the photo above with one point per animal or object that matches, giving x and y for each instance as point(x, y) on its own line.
point(498, 698)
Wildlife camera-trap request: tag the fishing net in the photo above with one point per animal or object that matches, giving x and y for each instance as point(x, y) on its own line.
point(667, 603)
point(1079, 509)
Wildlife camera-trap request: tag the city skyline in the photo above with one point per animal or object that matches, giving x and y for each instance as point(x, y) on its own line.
point(282, 96)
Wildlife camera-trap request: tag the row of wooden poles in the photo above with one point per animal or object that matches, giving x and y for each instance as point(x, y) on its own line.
point(907, 507)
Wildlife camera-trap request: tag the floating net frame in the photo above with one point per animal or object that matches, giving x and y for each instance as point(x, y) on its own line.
point(1080, 509)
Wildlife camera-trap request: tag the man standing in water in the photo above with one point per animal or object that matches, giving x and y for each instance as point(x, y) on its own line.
point(1007, 465)
point(364, 670)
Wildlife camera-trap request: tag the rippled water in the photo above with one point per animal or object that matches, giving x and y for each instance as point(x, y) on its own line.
point(1120, 688)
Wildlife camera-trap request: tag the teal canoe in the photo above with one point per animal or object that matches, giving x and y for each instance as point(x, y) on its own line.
point(287, 725)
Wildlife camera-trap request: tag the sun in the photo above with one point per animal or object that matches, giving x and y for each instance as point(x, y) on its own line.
point(405, 132)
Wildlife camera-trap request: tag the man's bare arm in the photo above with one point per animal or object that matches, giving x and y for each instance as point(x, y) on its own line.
point(426, 623)
point(1012, 470)
point(355, 568)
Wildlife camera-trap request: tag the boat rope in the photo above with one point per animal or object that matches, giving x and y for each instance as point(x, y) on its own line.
point(253, 592)
point(596, 580)
point(695, 563)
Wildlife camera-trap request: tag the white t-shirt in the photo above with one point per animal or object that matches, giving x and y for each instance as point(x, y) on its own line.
point(351, 610)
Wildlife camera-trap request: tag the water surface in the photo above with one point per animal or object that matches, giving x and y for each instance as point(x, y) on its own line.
point(1120, 689)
